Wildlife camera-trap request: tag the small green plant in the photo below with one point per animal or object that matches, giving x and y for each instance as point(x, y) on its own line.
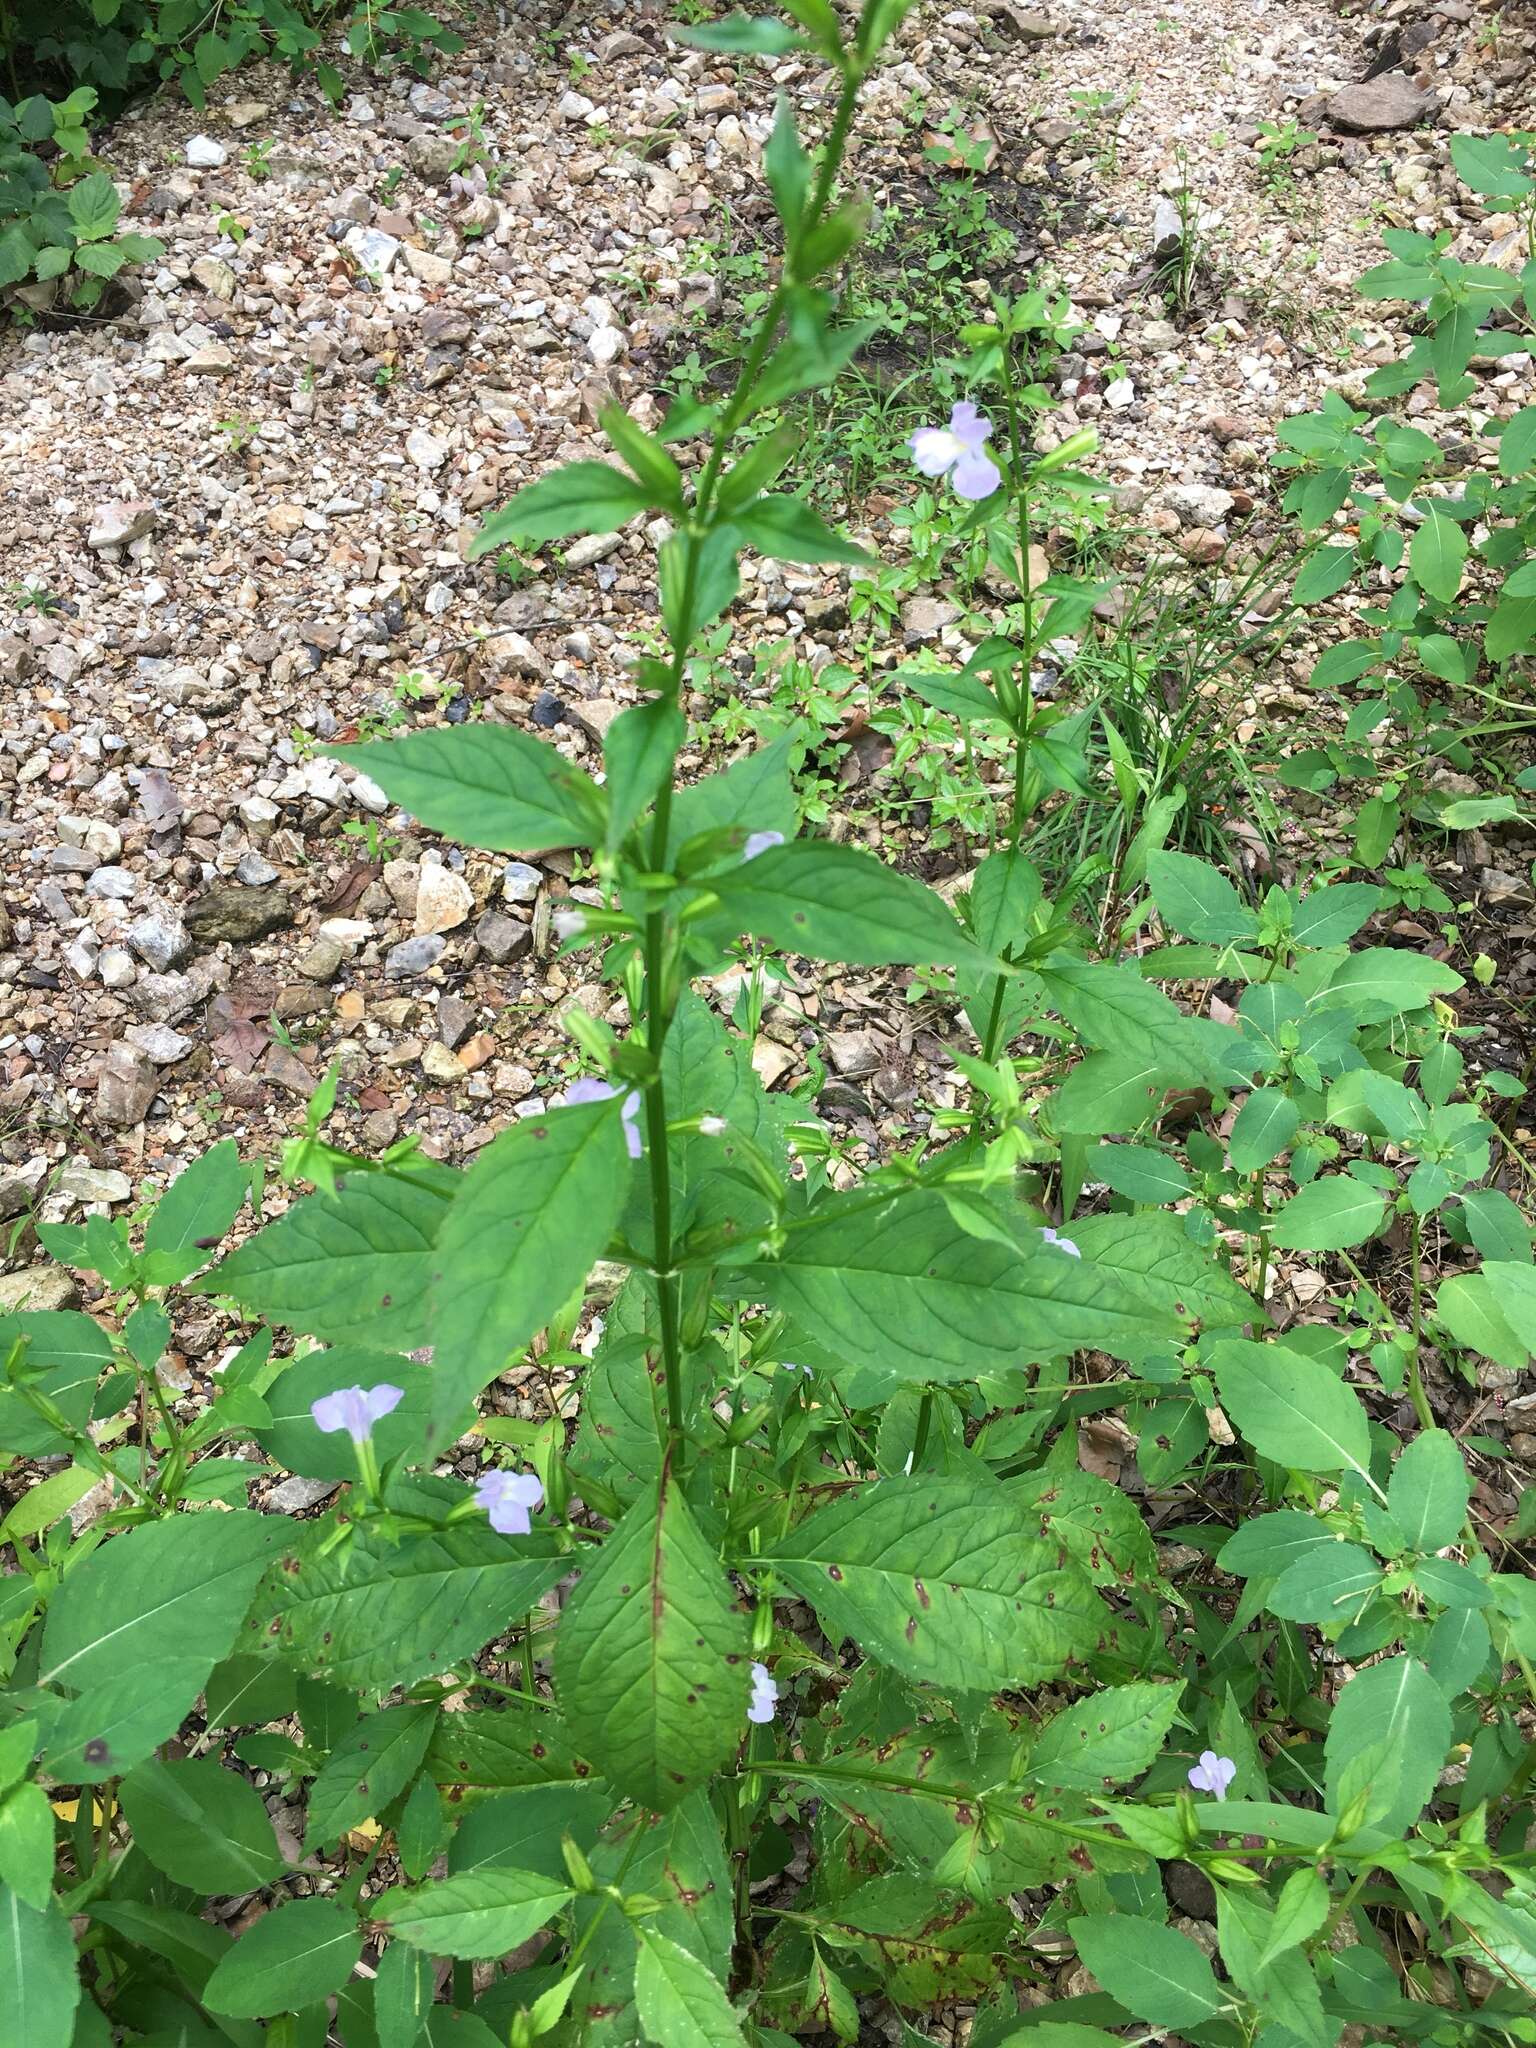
point(27, 596)
point(257, 158)
point(1282, 140)
point(239, 431)
point(59, 244)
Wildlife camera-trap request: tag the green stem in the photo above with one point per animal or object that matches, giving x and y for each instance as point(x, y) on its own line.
point(1420, 1399)
point(924, 1424)
point(660, 999)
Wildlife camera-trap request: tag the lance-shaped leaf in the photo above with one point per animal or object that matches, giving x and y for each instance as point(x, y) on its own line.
point(939, 1578)
point(906, 1290)
point(1291, 1408)
point(41, 1973)
point(482, 1913)
point(371, 1765)
point(351, 1267)
point(533, 1216)
point(488, 785)
point(652, 1652)
point(838, 903)
point(285, 1961)
point(679, 1999)
point(383, 1614)
point(1114, 1735)
point(582, 497)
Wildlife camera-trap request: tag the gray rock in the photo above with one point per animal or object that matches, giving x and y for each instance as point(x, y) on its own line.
point(159, 938)
point(255, 870)
point(454, 1019)
point(116, 968)
point(39, 1287)
point(1167, 230)
point(323, 961)
point(1198, 504)
point(432, 157)
point(113, 884)
point(204, 154)
point(125, 1086)
point(117, 524)
point(229, 911)
point(520, 881)
point(73, 860)
point(414, 955)
point(94, 1184)
point(297, 1493)
point(502, 938)
point(1371, 106)
point(373, 250)
point(159, 1043)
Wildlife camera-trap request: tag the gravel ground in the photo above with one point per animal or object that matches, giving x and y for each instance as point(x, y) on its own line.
point(250, 496)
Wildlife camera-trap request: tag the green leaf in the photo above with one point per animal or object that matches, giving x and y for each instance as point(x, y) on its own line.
point(745, 35)
point(26, 1844)
point(198, 1206)
point(1511, 628)
point(381, 1614)
point(1162, 1265)
point(637, 757)
point(484, 1913)
point(1491, 165)
point(1139, 1173)
point(839, 903)
point(756, 794)
point(1470, 1307)
point(1324, 574)
point(583, 497)
point(203, 1825)
point(788, 530)
point(292, 1438)
point(681, 2002)
point(1266, 1546)
point(523, 1829)
point(1262, 1129)
point(1290, 1407)
point(1517, 443)
point(1328, 1215)
point(938, 1578)
point(651, 1654)
point(101, 259)
point(1104, 1740)
point(1156, 1974)
point(286, 1960)
point(46, 1503)
point(962, 696)
point(1302, 1907)
point(1392, 1715)
point(66, 1355)
point(491, 786)
point(116, 1722)
point(1330, 1583)
point(371, 1765)
point(653, 467)
point(1437, 556)
point(94, 207)
point(1331, 917)
point(1386, 981)
point(909, 1291)
point(1429, 1490)
point(176, 1589)
point(402, 1996)
point(1194, 898)
point(41, 1972)
point(534, 1215)
point(352, 1267)
point(1112, 1007)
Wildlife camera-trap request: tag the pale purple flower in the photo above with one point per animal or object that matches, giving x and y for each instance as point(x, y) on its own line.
point(590, 1089)
point(959, 451)
point(355, 1409)
point(1062, 1244)
point(764, 1694)
point(507, 1498)
point(1212, 1774)
point(713, 1126)
point(759, 842)
point(569, 924)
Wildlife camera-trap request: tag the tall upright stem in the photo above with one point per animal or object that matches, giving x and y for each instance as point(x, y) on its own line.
point(660, 995)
